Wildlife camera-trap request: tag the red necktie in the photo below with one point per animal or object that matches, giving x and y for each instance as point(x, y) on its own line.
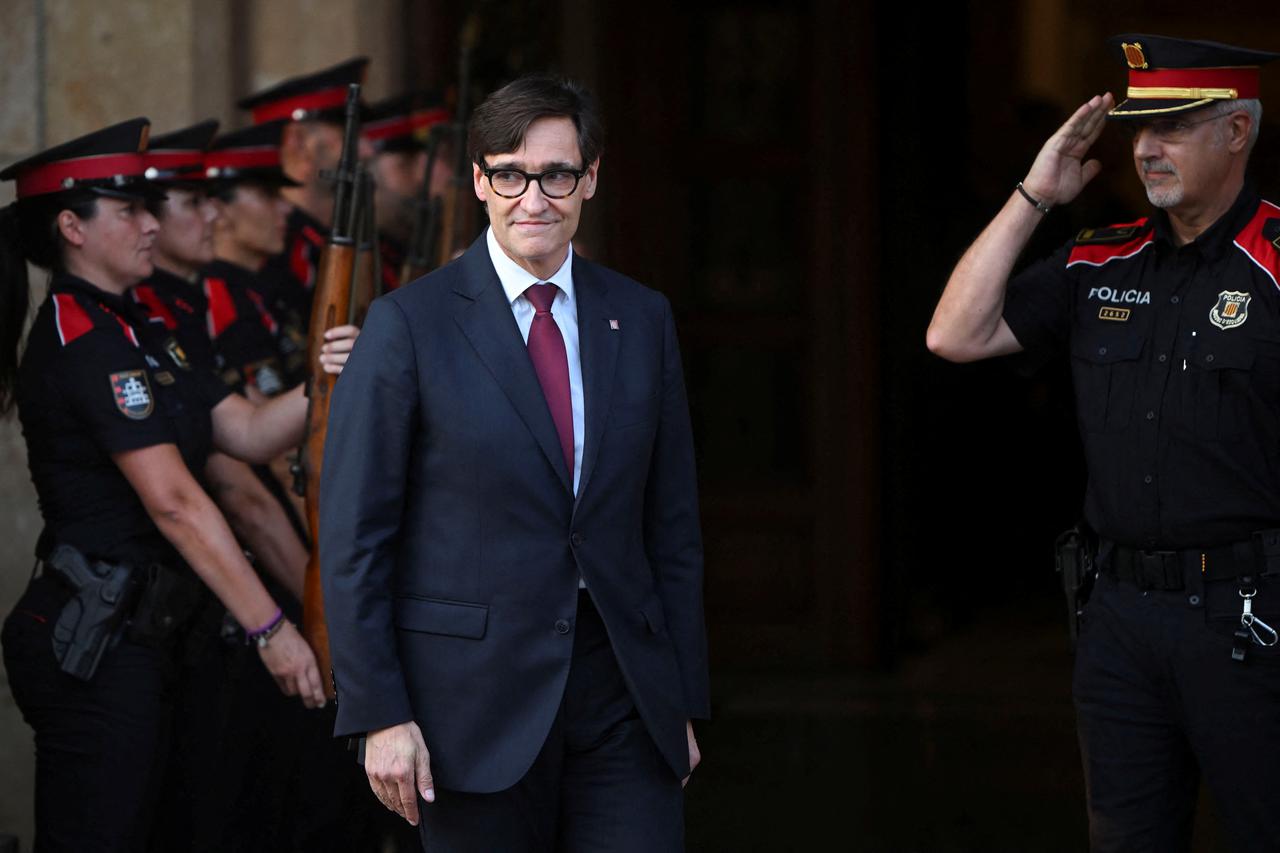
point(551, 363)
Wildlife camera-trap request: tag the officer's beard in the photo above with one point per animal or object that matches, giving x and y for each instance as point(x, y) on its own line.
point(1169, 192)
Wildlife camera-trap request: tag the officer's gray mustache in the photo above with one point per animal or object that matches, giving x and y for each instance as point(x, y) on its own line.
point(1149, 166)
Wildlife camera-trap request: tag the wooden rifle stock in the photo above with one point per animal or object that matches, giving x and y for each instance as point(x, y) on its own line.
point(331, 307)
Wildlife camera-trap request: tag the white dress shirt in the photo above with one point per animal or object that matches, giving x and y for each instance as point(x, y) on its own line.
point(564, 310)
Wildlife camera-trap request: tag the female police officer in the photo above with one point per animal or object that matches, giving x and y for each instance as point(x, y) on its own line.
point(115, 425)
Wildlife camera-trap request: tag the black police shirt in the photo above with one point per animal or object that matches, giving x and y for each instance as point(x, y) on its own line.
point(95, 379)
point(1175, 357)
point(243, 328)
point(177, 309)
point(292, 273)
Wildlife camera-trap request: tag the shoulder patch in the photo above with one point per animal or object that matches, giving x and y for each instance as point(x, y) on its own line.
point(69, 318)
point(222, 309)
point(1257, 246)
point(132, 392)
point(1097, 246)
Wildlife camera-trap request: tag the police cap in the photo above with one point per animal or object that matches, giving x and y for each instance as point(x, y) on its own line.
point(108, 162)
point(319, 96)
point(178, 157)
point(402, 123)
point(1168, 75)
point(249, 154)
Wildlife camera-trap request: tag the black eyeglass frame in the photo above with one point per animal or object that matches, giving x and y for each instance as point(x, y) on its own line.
point(529, 177)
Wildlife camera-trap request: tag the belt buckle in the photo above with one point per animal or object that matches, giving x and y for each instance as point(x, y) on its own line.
point(1160, 570)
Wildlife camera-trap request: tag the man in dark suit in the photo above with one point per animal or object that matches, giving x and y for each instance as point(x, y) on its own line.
point(509, 527)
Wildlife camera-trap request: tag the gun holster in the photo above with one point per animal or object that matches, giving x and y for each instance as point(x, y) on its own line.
point(1075, 553)
point(89, 623)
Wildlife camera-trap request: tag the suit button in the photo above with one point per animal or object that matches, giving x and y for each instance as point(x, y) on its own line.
point(577, 539)
point(562, 626)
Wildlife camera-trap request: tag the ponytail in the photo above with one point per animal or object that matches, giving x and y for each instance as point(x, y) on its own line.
point(29, 232)
point(15, 296)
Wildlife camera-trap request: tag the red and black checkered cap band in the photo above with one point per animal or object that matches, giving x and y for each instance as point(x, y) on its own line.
point(235, 159)
point(302, 106)
point(66, 174)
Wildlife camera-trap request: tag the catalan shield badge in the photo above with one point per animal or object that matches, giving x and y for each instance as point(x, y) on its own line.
point(1231, 311)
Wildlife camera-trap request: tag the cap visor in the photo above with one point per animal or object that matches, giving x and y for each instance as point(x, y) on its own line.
point(144, 190)
point(1143, 108)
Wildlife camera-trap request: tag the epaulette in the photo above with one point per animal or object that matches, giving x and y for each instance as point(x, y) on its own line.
point(1260, 240)
point(1110, 234)
point(150, 301)
point(222, 308)
point(1097, 246)
point(74, 318)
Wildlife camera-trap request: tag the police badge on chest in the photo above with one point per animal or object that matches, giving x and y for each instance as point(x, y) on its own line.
point(1231, 311)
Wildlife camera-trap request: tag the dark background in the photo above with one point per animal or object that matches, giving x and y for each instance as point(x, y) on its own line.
point(888, 636)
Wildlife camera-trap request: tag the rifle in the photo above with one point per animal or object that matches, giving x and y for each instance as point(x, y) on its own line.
point(420, 259)
point(335, 279)
point(460, 222)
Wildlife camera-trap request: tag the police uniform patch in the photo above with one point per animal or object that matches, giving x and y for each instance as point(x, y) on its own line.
point(176, 353)
point(1119, 315)
point(1231, 311)
point(132, 391)
point(1120, 234)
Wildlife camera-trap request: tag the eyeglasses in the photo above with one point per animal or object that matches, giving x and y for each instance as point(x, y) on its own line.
point(512, 183)
point(1168, 129)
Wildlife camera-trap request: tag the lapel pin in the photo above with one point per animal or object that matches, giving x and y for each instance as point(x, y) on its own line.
point(613, 324)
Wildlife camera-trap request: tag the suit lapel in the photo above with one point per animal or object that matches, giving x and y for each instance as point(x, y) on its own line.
point(598, 344)
point(485, 318)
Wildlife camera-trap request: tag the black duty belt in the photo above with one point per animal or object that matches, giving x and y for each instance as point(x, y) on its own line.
point(1167, 570)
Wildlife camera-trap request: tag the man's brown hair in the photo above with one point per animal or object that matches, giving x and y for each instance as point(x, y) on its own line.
point(500, 123)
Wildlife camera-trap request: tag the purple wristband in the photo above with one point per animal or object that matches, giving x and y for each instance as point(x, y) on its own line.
point(265, 629)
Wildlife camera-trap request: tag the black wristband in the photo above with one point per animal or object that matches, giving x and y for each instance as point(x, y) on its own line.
point(1038, 205)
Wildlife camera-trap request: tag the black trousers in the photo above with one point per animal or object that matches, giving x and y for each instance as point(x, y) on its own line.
point(101, 744)
point(1160, 701)
point(599, 783)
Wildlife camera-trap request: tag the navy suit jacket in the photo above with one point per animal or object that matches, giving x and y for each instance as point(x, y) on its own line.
point(451, 541)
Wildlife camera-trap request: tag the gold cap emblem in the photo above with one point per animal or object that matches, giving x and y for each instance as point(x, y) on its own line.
point(1133, 54)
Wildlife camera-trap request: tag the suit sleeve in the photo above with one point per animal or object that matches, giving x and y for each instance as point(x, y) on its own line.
point(672, 530)
point(362, 495)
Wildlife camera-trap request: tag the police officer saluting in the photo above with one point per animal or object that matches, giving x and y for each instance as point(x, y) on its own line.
point(1172, 326)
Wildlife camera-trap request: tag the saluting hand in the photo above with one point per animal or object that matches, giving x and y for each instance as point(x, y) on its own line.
point(337, 347)
point(1060, 171)
point(399, 768)
point(290, 661)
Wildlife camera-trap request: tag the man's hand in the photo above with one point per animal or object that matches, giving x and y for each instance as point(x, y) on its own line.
point(1060, 170)
point(290, 661)
point(337, 347)
point(399, 768)
point(695, 754)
